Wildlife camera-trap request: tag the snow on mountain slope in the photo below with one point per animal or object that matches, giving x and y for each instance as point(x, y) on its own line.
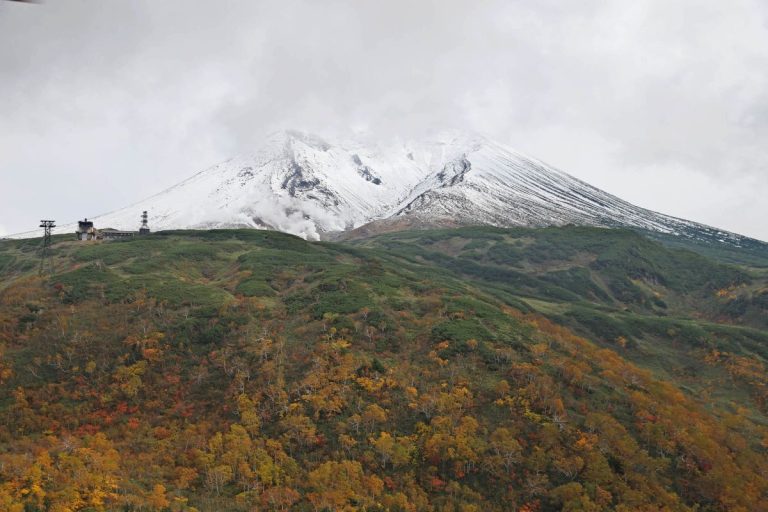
point(302, 184)
point(487, 183)
point(295, 182)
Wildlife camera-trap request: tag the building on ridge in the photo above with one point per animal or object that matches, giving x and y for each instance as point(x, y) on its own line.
point(114, 234)
point(85, 230)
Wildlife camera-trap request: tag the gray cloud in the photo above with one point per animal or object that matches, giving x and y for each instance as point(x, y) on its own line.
point(660, 102)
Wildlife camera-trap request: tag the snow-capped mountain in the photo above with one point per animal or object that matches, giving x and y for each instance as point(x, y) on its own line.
point(302, 184)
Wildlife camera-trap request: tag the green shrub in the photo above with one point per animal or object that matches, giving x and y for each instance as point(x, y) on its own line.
point(350, 300)
point(505, 254)
point(255, 288)
point(579, 281)
point(602, 326)
point(90, 281)
point(460, 330)
point(6, 262)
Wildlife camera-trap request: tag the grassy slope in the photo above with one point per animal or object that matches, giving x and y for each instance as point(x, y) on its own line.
point(754, 253)
point(664, 308)
point(242, 368)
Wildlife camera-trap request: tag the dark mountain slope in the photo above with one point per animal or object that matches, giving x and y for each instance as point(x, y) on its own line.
point(750, 252)
point(617, 268)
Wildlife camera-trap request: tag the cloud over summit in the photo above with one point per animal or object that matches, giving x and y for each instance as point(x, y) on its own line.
point(660, 102)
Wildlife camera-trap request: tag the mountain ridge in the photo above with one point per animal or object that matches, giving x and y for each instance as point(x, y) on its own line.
point(302, 184)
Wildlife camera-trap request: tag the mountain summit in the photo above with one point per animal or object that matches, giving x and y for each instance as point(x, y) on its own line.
point(302, 184)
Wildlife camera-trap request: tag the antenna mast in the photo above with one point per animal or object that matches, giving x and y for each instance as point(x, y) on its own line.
point(46, 257)
point(144, 229)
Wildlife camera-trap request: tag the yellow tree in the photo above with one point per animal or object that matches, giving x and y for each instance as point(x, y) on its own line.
point(343, 486)
point(157, 499)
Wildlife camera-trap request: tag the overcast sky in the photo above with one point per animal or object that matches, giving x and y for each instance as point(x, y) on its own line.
point(661, 102)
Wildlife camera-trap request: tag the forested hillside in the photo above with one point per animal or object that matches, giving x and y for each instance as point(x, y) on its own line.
point(461, 370)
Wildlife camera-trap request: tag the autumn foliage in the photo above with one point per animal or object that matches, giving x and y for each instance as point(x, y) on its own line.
point(267, 403)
